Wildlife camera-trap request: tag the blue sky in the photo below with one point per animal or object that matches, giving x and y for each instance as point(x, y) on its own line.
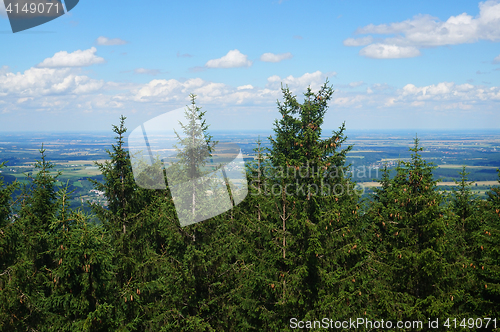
point(393, 64)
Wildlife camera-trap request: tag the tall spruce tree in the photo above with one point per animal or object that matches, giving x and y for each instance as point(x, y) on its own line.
point(419, 263)
point(465, 214)
point(305, 237)
point(28, 288)
point(486, 251)
point(190, 180)
point(209, 251)
point(133, 233)
point(81, 292)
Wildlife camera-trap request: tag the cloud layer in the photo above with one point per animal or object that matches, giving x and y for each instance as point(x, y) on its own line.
point(58, 85)
point(407, 37)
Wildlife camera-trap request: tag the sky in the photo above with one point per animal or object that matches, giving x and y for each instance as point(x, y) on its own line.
point(393, 64)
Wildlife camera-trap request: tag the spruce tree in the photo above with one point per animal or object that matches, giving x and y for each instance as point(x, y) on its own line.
point(80, 293)
point(464, 213)
point(9, 238)
point(305, 238)
point(419, 263)
point(27, 289)
point(192, 182)
point(486, 250)
point(202, 254)
point(132, 233)
point(5, 199)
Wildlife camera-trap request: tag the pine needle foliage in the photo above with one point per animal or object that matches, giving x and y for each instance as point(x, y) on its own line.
point(414, 241)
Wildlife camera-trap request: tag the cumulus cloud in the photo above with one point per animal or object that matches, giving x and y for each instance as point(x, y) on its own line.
point(232, 59)
point(208, 92)
point(447, 93)
point(174, 91)
point(145, 71)
point(384, 51)
point(314, 80)
point(109, 42)
point(271, 57)
point(36, 82)
point(441, 96)
point(78, 58)
point(405, 38)
point(497, 59)
point(66, 89)
point(298, 37)
point(54, 89)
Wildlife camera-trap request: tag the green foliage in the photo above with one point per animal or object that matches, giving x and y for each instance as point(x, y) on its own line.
point(486, 251)
point(302, 249)
point(415, 243)
point(81, 277)
point(9, 236)
point(302, 243)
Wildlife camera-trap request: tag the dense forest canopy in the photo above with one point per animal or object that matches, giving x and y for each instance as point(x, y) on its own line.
point(302, 250)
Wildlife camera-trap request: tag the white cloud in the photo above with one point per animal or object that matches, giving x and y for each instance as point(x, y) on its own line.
point(232, 59)
point(175, 91)
point(404, 38)
point(448, 93)
point(497, 59)
point(147, 71)
point(430, 91)
point(383, 51)
point(78, 58)
point(314, 80)
point(66, 89)
point(36, 82)
point(108, 42)
point(270, 57)
point(358, 41)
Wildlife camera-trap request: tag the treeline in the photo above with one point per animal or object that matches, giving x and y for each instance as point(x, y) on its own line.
point(302, 245)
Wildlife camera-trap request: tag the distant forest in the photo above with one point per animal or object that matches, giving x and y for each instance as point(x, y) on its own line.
point(302, 250)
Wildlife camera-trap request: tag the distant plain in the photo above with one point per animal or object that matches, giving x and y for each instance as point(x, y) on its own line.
point(74, 154)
